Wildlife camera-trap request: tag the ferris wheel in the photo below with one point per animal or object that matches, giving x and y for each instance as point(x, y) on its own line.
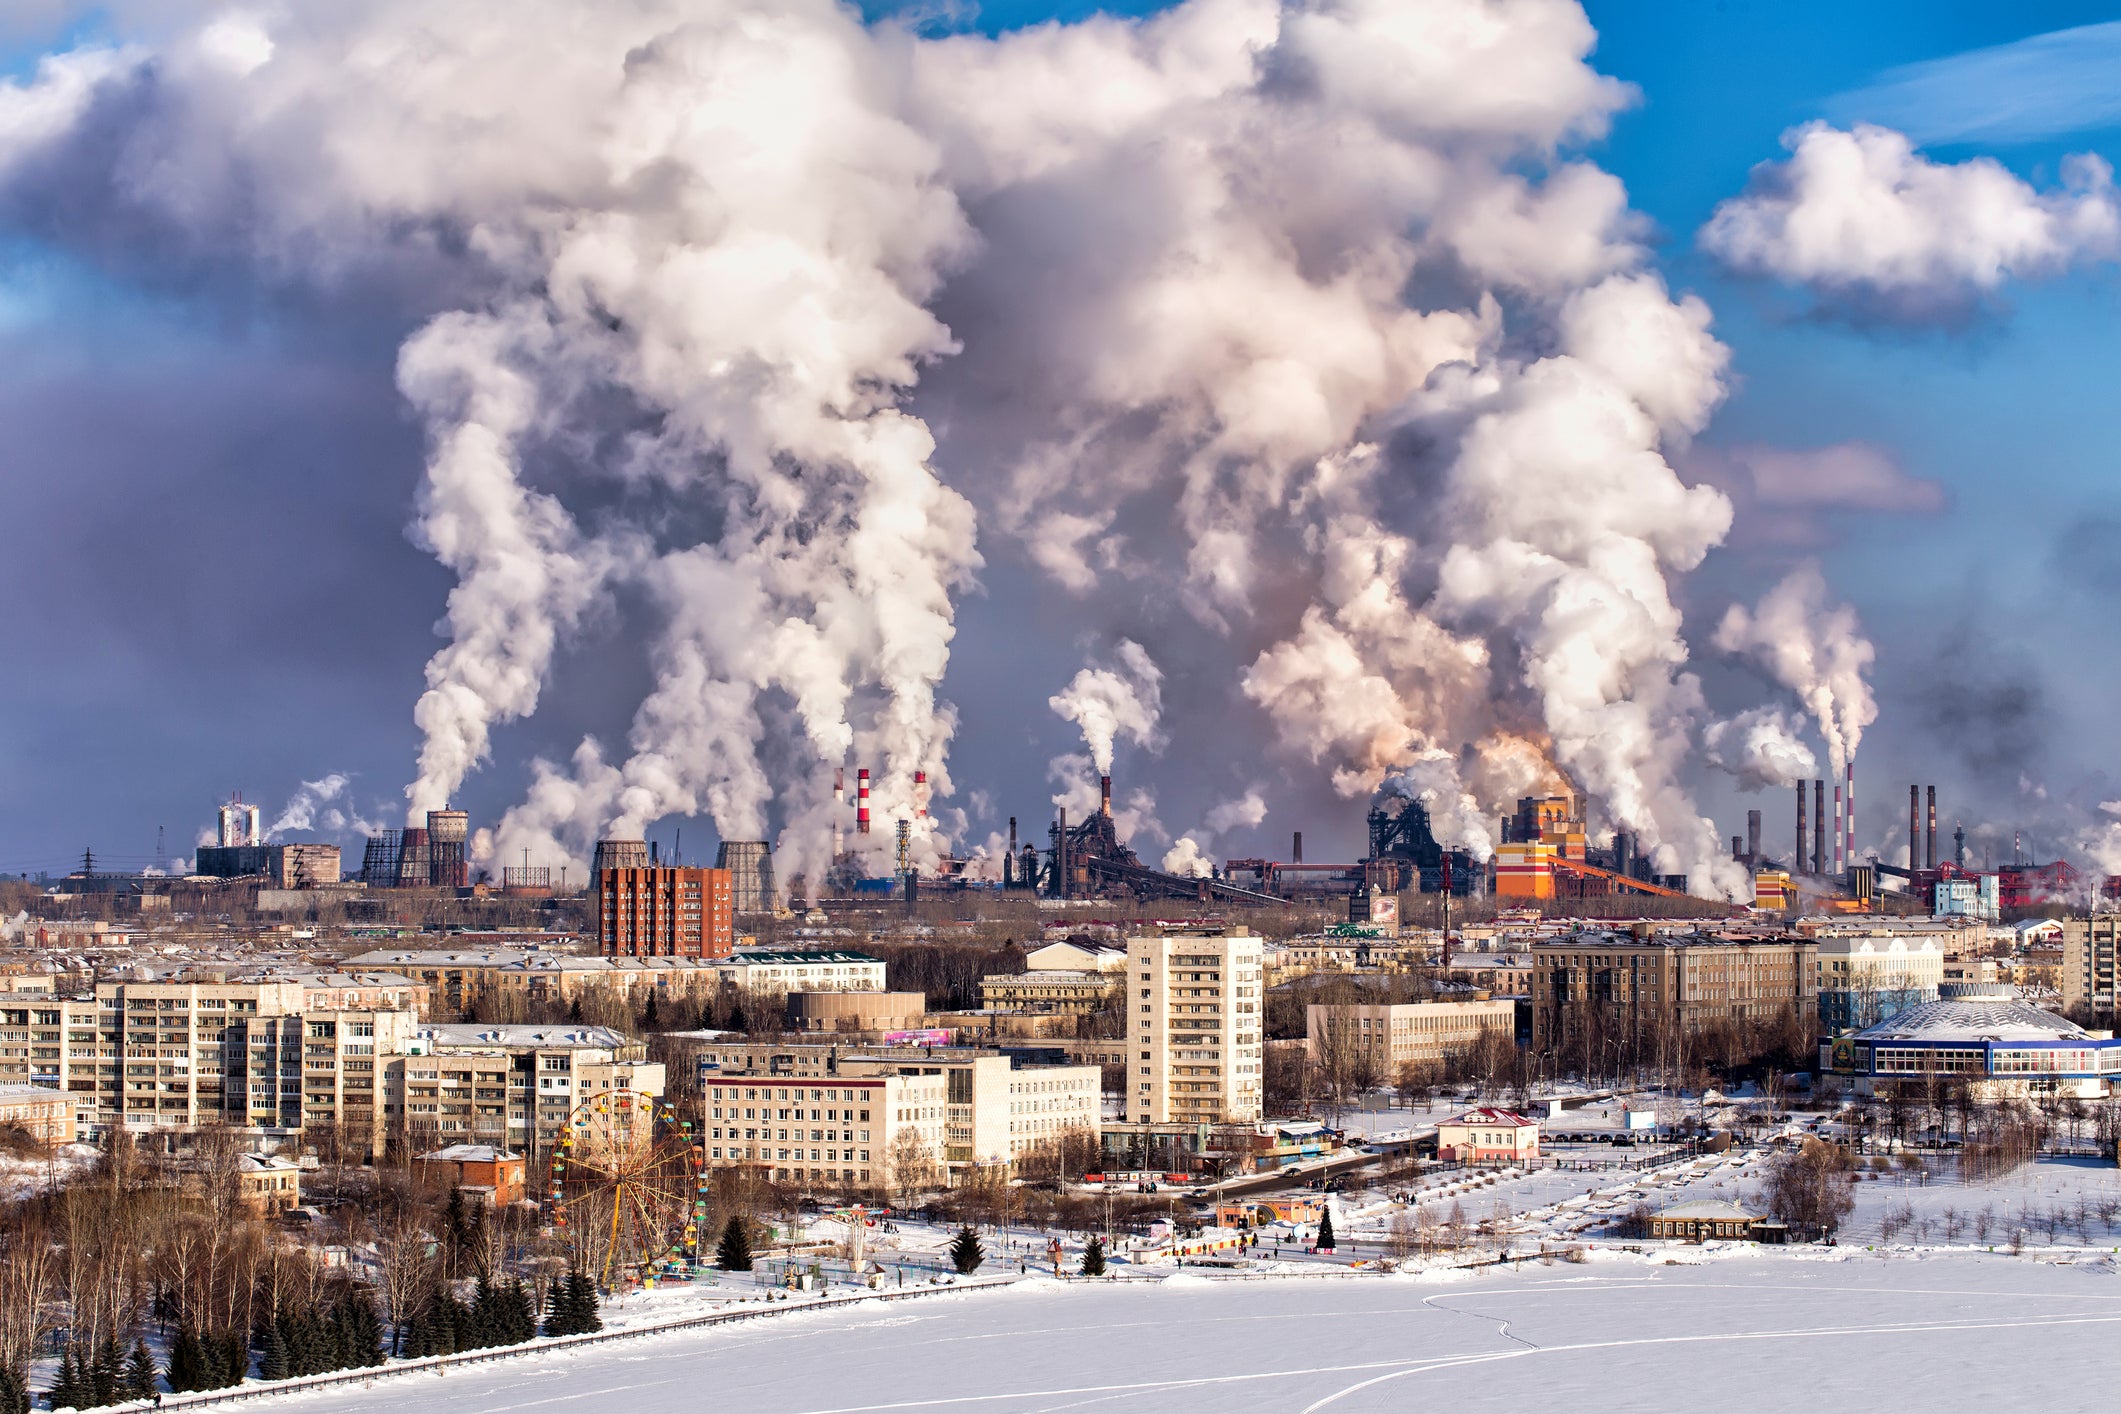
point(627, 1191)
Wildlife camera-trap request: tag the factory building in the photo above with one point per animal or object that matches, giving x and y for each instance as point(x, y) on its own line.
point(429, 856)
point(282, 866)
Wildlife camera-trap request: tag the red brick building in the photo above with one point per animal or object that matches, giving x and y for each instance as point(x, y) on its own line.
point(662, 911)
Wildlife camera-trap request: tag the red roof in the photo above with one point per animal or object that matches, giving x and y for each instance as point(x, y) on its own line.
point(1494, 1118)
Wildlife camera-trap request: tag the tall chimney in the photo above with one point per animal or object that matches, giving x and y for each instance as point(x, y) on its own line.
point(1737, 846)
point(1060, 857)
point(1104, 795)
point(1802, 858)
point(1296, 848)
point(861, 801)
point(1848, 853)
point(1009, 859)
point(1931, 851)
point(920, 795)
point(1752, 838)
point(1914, 828)
point(1819, 833)
point(1835, 858)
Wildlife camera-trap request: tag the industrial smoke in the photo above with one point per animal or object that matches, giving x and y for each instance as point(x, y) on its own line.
point(685, 321)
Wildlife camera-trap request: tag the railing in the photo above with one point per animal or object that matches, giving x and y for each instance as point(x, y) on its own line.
point(441, 1364)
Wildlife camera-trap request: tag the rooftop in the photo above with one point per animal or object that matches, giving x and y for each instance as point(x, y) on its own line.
point(470, 1154)
point(472, 1033)
point(1709, 1208)
point(1983, 1019)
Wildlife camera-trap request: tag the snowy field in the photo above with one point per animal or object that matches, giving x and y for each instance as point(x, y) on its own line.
point(1782, 1331)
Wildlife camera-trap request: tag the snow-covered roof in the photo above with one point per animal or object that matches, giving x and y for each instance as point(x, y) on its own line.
point(470, 1154)
point(1976, 1019)
point(1491, 1118)
point(1708, 1209)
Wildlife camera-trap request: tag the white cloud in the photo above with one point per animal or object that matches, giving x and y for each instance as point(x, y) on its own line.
point(1860, 218)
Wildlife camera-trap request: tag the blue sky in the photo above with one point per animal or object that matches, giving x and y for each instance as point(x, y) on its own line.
point(149, 693)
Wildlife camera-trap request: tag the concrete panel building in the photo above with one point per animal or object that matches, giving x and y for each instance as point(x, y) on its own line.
point(1194, 1052)
point(1424, 1034)
point(2090, 948)
point(1630, 988)
point(664, 911)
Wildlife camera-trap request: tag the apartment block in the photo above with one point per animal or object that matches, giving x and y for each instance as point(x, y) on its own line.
point(872, 1131)
point(1049, 993)
point(1627, 987)
point(509, 1085)
point(1194, 1052)
point(995, 1110)
point(666, 911)
point(1385, 1039)
point(1866, 978)
point(2090, 947)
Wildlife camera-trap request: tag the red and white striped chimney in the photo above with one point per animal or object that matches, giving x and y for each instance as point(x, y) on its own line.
point(861, 801)
point(920, 795)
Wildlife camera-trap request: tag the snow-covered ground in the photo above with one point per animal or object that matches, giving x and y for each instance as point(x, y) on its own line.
point(1772, 1331)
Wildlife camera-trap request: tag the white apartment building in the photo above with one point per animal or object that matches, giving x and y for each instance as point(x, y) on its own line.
point(873, 1131)
point(1193, 1028)
point(1866, 978)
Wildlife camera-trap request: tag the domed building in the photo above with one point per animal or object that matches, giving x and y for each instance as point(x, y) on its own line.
point(1986, 1035)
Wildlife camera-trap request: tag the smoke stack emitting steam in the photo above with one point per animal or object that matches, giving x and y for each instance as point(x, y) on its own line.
point(848, 170)
point(861, 801)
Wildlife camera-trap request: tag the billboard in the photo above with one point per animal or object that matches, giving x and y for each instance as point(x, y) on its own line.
point(932, 1036)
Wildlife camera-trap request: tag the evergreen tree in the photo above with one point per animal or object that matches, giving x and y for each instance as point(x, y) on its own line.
point(965, 1252)
point(273, 1362)
point(1094, 1257)
point(231, 1359)
point(106, 1372)
point(734, 1251)
point(736, 1018)
point(185, 1367)
point(1325, 1229)
point(65, 1392)
point(574, 1011)
point(587, 1320)
point(650, 1017)
point(141, 1377)
point(14, 1392)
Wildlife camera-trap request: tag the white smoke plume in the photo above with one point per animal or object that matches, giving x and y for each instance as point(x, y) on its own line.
point(1815, 650)
point(303, 807)
point(1189, 852)
point(1861, 215)
point(1456, 817)
point(1109, 702)
point(693, 295)
point(1761, 748)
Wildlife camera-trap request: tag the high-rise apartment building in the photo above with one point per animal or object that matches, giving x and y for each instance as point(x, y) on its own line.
point(665, 911)
point(2090, 947)
point(1194, 1053)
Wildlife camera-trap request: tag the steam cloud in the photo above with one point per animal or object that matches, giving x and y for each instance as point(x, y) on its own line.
point(1815, 651)
point(302, 809)
point(1761, 748)
point(1860, 216)
point(684, 334)
point(1110, 702)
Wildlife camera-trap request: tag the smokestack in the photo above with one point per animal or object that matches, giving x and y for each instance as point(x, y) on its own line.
point(1737, 846)
point(1802, 858)
point(1819, 826)
point(920, 795)
point(1060, 857)
point(861, 801)
point(1834, 857)
point(839, 785)
point(1752, 838)
point(1104, 795)
point(1848, 852)
point(1932, 850)
point(1009, 859)
point(1296, 848)
point(1914, 827)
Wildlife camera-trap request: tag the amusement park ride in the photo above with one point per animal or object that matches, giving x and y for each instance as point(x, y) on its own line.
point(628, 1193)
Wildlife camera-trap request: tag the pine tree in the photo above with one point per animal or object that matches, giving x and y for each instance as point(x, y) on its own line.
point(734, 1251)
point(650, 1017)
point(141, 1377)
point(65, 1392)
point(185, 1369)
point(1325, 1229)
point(14, 1392)
point(736, 1018)
point(273, 1362)
point(105, 1373)
point(585, 1302)
point(574, 1011)
point(522, 1314)
point(965, 1252)
point(1094, 1257)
